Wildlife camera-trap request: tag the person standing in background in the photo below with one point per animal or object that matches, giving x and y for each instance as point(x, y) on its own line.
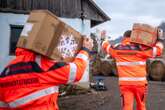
point(131, 66)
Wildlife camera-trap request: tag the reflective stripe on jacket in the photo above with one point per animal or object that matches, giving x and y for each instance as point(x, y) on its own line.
point(30, 97)
point(30, 82)
point(131, 61)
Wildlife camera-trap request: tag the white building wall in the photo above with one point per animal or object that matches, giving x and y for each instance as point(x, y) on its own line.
point(7, 19)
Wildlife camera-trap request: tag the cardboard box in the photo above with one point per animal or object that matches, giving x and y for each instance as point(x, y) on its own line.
point(45, 34)
point(144, 34)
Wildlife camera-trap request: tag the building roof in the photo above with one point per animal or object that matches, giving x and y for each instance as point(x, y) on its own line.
point(84, 9)
point(103, 16)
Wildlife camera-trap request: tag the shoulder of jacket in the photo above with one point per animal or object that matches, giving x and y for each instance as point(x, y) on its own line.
point(117, 44)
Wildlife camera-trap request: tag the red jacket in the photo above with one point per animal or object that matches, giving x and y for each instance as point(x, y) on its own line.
point(131, 60)
point(31, 83)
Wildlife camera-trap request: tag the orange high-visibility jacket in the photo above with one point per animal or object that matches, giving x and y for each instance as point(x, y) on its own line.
point(27, 85)
point(131, 60)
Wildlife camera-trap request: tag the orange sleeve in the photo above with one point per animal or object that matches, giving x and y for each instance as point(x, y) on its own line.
point(160, 47)
point(81, 62)
point(63, 73)
point(108, 49)
point(155, 51)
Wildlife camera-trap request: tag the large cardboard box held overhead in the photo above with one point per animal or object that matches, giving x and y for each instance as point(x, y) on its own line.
point(144, 34)
point(45, 34)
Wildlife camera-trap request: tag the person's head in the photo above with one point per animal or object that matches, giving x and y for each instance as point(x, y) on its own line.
point(126, 37)
point(127, 34)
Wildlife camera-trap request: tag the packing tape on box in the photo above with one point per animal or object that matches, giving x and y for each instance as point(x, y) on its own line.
point(27, 29)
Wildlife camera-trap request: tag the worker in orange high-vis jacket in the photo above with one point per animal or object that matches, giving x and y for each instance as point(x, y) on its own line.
point(31, 82)
point(131, 65)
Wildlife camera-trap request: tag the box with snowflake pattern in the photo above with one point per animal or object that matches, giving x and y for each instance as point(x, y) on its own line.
point(47, 35)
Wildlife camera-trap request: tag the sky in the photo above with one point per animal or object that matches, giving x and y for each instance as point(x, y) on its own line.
point(124, 13)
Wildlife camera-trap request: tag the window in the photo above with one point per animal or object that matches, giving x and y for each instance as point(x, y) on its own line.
point(14, 36)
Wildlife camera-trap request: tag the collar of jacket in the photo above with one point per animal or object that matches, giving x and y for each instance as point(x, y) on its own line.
point(126, 41)
point(21, 51)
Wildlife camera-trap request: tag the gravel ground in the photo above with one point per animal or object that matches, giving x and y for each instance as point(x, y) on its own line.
point(110, 100)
